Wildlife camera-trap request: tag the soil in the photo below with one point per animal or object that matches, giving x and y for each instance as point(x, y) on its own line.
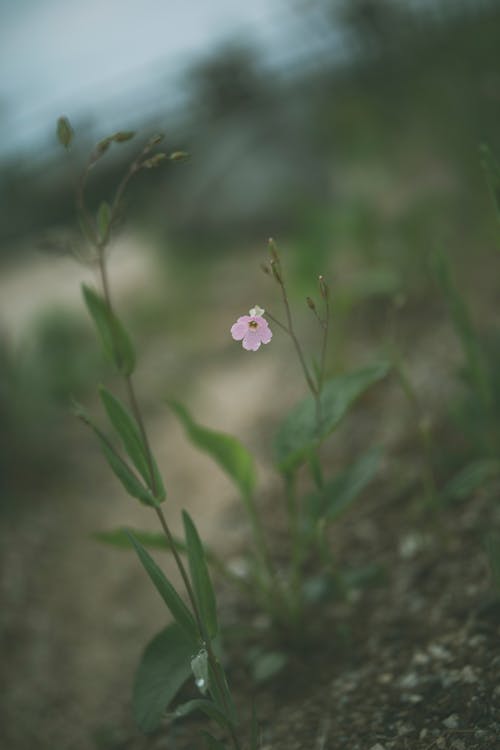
point(410, 661)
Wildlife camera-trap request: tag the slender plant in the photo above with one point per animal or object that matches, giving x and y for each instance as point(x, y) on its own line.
point(190, 640)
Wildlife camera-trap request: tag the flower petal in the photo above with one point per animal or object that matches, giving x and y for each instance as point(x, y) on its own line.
point(251, 342)
point(238, 330)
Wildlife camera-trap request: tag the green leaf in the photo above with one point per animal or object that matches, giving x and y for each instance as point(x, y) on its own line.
point(300, 432)
point(228, 452)
point(338, 494)
point(163, 669)
point(104, 220)
point(151, 539)
point(114, 338)
point(128, 430)
point(124, 473)
point(470, 478)
point(200, 578)
point(180, 612)
point(120, 468)
point(64, 132)
point(207, 707)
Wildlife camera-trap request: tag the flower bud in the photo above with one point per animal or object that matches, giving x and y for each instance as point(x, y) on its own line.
point(178, 156)
point(323, 287)
point(65, 132)
point(154, 161)
point(310, 303)
point(123, 135)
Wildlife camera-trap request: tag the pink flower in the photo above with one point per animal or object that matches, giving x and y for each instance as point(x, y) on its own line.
point(253, 329)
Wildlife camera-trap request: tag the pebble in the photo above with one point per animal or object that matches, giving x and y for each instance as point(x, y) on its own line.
point(468, 675)
point(409, 680)
point(451, 722)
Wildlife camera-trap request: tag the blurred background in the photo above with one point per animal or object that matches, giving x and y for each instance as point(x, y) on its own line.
point(349, 130)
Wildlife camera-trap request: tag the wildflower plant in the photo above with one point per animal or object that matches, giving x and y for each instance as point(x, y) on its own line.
point(190, 646)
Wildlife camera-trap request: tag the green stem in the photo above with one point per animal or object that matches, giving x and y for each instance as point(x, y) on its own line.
point(216, 667)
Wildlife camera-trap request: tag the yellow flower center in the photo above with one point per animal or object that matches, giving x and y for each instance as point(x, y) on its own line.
point(253, 324)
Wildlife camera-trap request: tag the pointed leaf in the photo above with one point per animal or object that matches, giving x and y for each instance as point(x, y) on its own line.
point(228, 452)
point(149, 539)
point(300, 432)
point(470, 478)
point(128, 430)
point(338, 494)
point(200, 578)
point(178, 609)
point(114, 339)
point(163, 669)
point(120, 468)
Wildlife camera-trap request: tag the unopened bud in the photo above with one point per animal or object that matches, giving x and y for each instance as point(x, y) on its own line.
point(275, 270)
point(154, 161)
point(100, 149)
point(122, 136)
point(273, 249)
point(323, 287)
point(310, 303)
point(64, 132)
point(156, 139)
point(178, 156)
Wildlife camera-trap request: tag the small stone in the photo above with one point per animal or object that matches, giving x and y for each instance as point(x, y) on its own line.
point(410, 680)
point(468, 675)
point(439, 652)
point(451, 722)
point(420, 659)
point(385, 678)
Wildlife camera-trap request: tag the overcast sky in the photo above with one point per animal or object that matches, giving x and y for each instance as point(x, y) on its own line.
point(74, 57)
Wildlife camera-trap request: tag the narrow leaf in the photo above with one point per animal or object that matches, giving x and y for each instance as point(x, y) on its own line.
point(114, 338)
point(200, 578)
point(470, 478)
point(120, 468)
point(149, 539)
point(228, 452)
point(302, 430)
point(128, 430)
point(338, 494)
point(163, 669)
point(178, 609)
